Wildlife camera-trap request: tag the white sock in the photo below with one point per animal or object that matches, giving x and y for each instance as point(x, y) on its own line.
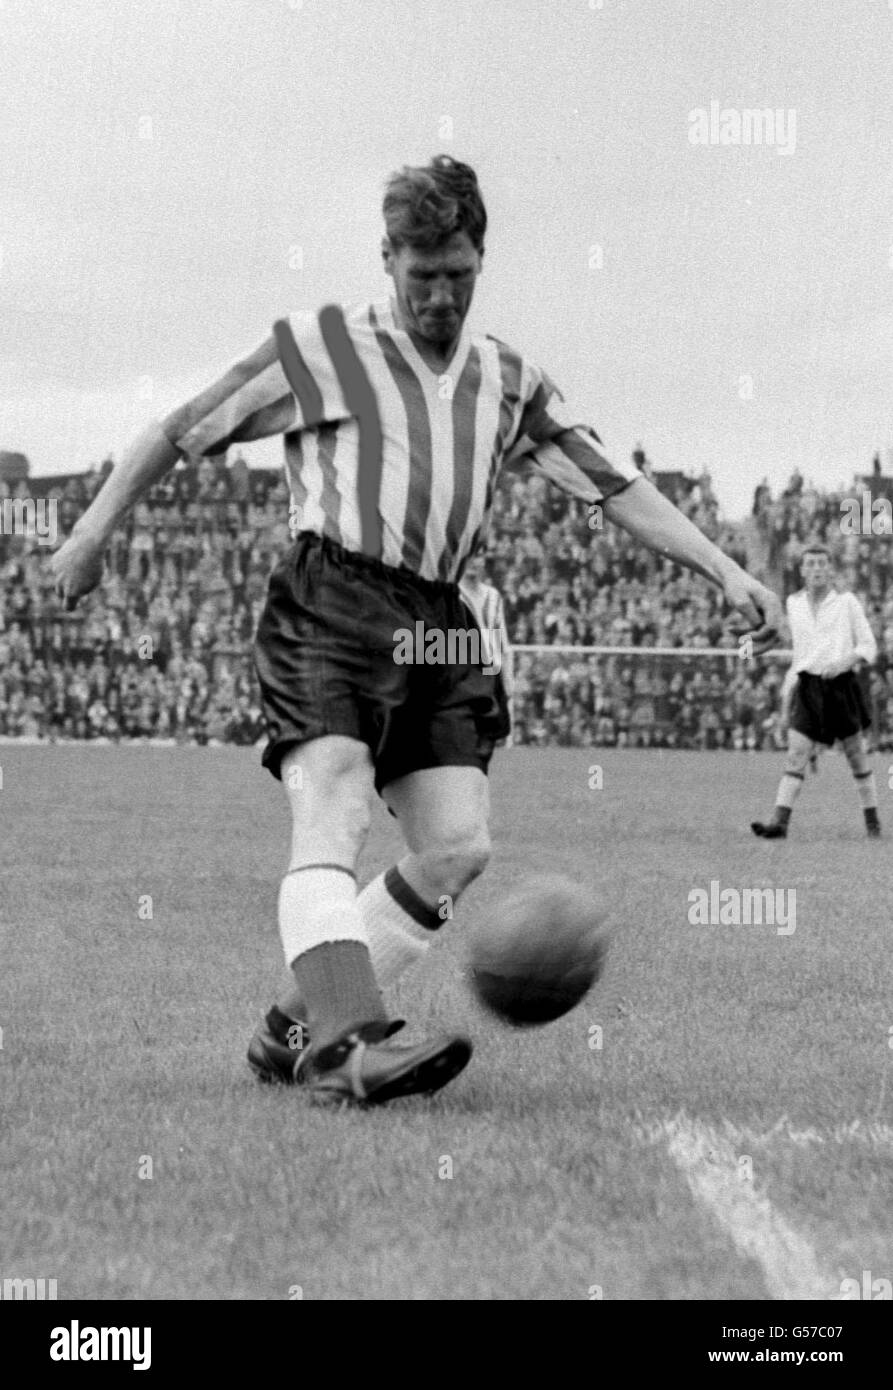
point(866, 786)
point(398, 922)
point(789, 788)
point(318, 904)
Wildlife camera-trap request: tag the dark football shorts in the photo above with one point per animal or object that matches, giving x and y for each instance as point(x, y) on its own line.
point(325, 659)
point(828, 710)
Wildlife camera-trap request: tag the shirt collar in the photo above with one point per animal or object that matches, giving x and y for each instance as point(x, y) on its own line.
point(386, 314)
point(832, 593)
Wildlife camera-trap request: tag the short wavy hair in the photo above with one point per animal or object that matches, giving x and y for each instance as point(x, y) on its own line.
point(425, 205)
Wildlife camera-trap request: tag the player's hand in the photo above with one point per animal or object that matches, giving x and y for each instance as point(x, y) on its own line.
point(758, 611)
point(76, 568)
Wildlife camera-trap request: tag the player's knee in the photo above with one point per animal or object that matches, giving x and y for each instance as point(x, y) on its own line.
point(326, 762)
point(458, 859)
point(329, 785)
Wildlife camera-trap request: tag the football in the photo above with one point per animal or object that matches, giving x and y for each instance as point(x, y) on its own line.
point(539, 951)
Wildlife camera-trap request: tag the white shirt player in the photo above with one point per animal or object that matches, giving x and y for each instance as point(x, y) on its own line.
point(828, 639)
point(486, 605)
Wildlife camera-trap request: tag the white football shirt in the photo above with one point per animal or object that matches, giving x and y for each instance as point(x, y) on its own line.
point(832, 637)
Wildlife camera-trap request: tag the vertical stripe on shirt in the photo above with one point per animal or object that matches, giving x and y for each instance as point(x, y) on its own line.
point(510, 367)
point(362, 402)
point(418, 428)
point(330, 498)
point(294, 467)
point(465, 403)
point(298, 374)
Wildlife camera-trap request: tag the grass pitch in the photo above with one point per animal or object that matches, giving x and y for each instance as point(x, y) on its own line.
point(596, 1157)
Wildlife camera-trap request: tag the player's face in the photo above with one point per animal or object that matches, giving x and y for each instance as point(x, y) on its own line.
point(816, 570)
point(434, 289)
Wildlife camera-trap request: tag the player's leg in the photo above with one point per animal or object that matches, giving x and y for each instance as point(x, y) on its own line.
point(444, 814)
point(431, 772)
point(800, 749)
point(433, 777)
point(856, 753)
point(329, 786)
point(330, 686)
point(328, 782)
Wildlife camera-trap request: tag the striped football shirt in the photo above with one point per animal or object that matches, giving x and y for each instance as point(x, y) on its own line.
point(442, 437)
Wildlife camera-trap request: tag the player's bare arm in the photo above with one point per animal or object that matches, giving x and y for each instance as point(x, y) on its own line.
point(645, 513)
point(77, 566)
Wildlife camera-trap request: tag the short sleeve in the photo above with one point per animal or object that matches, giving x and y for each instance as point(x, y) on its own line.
point(255, 398)
point(562, 447)
point(251, 400)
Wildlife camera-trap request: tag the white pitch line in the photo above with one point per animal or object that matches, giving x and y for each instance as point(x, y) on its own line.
point(868, 1132)
point(710, 1166)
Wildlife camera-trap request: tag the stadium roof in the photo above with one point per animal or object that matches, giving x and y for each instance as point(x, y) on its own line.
point(13, 465)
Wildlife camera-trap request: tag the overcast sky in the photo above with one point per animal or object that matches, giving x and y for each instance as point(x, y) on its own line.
point(176, 174)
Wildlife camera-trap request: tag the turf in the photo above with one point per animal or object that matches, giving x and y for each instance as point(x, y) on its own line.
point(543, 1172)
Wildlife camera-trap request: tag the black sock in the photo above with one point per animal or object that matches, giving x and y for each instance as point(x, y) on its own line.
point(338, 983)
point(781, 815)
point(279, 1024)
point(871, 815)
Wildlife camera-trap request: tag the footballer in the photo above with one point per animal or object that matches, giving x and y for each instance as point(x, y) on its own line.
point(823, 700)
point(396, 422)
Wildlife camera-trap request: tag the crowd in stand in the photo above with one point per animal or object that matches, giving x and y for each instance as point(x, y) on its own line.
point(162, 649)
point(568, 581)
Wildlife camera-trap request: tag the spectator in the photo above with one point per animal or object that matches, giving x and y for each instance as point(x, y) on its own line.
point(162, 649)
